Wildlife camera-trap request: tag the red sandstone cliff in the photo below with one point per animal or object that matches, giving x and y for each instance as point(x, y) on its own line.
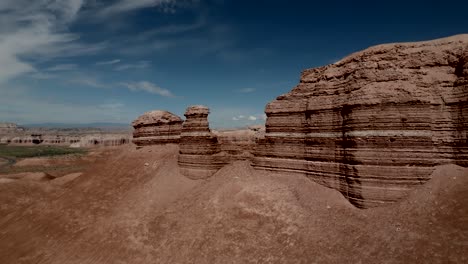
point(376, 123)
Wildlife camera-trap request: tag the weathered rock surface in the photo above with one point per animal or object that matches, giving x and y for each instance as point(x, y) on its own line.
point(157, 127)
point(374, 124)
point(239, 144)
point(199, 154)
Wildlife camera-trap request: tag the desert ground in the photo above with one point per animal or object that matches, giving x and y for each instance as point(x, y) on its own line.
point(364, 161)
point(129, 205)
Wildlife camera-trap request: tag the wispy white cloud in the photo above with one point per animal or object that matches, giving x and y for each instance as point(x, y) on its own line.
point(147, 87)
point(89, 81)
point(110, 62)
point(249, 117)
point(212, 40)
point(130, 5)
point(62, 67)
point(171, 29)
point(43, 76)
point(138, 65)
point(37, 30)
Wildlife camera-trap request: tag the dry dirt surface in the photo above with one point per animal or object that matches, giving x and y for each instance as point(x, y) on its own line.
point(133, 206)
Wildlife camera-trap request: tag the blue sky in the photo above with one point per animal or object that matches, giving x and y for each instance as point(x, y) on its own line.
point(81, 61)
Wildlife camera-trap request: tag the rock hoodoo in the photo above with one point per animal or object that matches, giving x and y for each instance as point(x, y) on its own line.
point(374, 124)
point(199, 153)
point(157, 127)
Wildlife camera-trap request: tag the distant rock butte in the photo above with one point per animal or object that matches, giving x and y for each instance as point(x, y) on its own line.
point(6, 128)
point(374, 124)
point(79, 141)
point(157, 127)
point(199, 154)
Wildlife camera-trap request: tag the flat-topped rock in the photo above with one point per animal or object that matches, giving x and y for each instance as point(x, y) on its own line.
point(374, 124)
point(156, 117)
point(196, 120)
point(157, 127)
point(197, 110)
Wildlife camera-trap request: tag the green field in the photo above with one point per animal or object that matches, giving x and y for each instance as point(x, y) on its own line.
point(18, 152)
point(10, 154)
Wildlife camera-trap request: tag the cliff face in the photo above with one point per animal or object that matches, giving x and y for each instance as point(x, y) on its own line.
point(199, 153)
point(374, 124)
point(157, 127)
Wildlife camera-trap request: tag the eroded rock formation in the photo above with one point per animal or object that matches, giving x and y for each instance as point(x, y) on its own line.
point(239, 144)
point(374, 124)
point(157, 127)
point(199, 155)
point(10, 128)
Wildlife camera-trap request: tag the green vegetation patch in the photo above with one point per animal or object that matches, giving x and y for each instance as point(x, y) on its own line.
point(18, 152)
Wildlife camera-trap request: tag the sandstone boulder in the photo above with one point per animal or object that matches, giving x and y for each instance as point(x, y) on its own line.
point(374, 124)
point(157, 127)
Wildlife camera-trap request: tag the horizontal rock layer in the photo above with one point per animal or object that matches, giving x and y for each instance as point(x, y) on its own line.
point(374, 124)
point(75, 141)
point(157, 127)
point(199, 152)
point(238, 144)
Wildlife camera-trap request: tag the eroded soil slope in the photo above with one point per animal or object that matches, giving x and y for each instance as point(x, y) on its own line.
point(133, 206)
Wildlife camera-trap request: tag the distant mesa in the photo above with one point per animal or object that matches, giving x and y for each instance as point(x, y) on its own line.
point(157, 127)
point(74, 137)
point(6, 128)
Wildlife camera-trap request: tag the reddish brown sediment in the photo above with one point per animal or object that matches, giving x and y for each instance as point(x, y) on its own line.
point(374, 124)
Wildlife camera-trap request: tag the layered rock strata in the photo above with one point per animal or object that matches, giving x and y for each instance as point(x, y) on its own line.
point(73, 141)
point(157, 127)
point(6, 128)
point(374, 124)
point(238, 144)
point(199, 153)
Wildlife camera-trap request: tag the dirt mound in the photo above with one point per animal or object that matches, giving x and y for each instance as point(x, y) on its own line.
point(133, 206)
point(244, 216)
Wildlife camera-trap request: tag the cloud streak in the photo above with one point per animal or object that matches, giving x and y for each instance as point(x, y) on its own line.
point(31, 30)
point(147, 87)
point(111, 62)
point(138, 65)
point(62, 67)
point(92, 82)
point(130, 5)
